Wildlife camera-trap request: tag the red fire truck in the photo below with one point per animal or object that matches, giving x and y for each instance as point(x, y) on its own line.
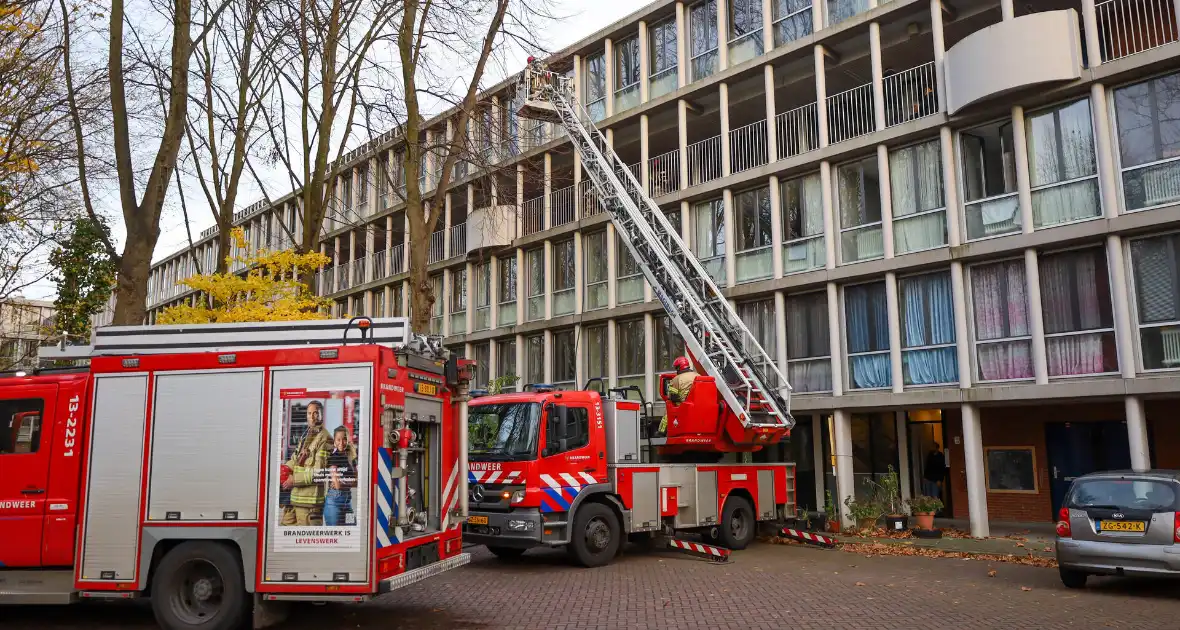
point(225, 469)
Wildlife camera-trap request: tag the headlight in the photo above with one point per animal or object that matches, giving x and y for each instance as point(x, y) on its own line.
point(518, 496)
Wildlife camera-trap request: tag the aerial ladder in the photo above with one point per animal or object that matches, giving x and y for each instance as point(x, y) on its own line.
point(755, 391)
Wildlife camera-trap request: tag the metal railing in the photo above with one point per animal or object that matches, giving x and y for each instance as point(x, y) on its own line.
point(378, 265)
point(663, 173)
point(704, 160)
point(397, 258)
point(591, 202)
point(850, 113)
point(561, 206)
point(437, 249)
point(635, 170)
point(458, 240)
point(910, 94)
point(533, 215)
point(358, 270)
point(747, 147)
point(1126, 27)
point(342, 280)
point(798, 130)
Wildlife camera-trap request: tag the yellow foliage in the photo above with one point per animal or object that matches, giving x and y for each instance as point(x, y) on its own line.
point(270, 291)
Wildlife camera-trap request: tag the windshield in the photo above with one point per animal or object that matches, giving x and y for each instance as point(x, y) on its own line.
point(503, 433)
point(1124, 494)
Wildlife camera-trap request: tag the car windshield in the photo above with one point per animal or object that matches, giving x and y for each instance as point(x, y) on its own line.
point(1124, 494)
point(502, 433)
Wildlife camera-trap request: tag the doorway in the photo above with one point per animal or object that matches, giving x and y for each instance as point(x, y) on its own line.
point(925, 430)
point(1078, 448)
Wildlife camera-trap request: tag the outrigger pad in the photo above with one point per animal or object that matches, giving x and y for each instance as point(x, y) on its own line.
point(711, 552)
point(809, 538)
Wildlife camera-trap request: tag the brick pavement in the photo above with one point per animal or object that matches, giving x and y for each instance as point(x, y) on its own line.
point(766, 586)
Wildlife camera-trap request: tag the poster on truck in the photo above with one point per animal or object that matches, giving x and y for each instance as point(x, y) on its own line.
point(318, 471)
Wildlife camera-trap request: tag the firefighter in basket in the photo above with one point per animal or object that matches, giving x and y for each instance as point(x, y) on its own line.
point(310, 456)
point(678, 387)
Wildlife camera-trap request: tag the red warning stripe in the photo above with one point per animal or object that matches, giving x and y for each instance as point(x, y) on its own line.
point(719, 554)
point(808, 537)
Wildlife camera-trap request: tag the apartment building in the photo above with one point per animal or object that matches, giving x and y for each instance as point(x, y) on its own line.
point(952, 223)
point(24, 325)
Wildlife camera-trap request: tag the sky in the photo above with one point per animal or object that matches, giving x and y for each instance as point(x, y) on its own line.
point(580, 18)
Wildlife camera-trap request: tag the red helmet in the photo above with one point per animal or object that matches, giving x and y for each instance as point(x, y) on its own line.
point(680, 364)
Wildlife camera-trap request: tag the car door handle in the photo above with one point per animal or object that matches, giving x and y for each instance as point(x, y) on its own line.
point(33, 491)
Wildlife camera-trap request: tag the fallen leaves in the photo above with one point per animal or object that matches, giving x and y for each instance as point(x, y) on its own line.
point(860, 584)
point(885, 549)
point(1026, 588)
point(991, 573)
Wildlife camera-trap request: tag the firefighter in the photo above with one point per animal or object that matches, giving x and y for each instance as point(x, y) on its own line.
point(311, 456)
point(679, 387)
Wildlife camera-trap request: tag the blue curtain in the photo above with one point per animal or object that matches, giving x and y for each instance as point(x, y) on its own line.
point(928, 319)
point(866, 312)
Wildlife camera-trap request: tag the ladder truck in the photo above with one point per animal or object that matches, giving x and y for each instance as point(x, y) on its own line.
point(224, 470)
point(553, 468)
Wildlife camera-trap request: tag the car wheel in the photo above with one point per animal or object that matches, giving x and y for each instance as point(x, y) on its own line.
point(199, 585)
point(738, 526)
point(1072, 579)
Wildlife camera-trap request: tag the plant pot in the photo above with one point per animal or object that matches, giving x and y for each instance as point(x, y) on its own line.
point(819, 523)
point(834, 526)
point(896, 522)
point(924, 520)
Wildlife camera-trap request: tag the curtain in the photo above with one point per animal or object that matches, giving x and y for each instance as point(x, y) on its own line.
point(807, 326)
point(803, 210)
point(928, 319)
point(1075, 354)
point(810, 376)
point(535, 359)
point(1075, 297)
point(1155, 278)
point(866, 314)
point(1000, 299)
point(631, 347)
point(859, 193)
point(925, 231)
point(709, 229)
point(915, 176)
point(1005, 360)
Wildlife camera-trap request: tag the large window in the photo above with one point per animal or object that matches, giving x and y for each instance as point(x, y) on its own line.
point(809, 359)
point(866, 321)
point(630, 347)
point(628, 275)
point(594, 89)
point(1148, 119)
point(565, 355)
point(534, 261)
point(597, 352)
point(506, 315)
point(594, 252)
point(927, 313)
point(482, 365)
point(991, 206)
point(669, 344)
point(803, 223)
point(626, 74)
point(534, 359)
point(459, 301)
point(483, 296)
point(20, 426)
point(745, 30)
point(702, 39)
point(563, 278)
point(436, 308)
point(506, 367)
point(759, 319)
point(754, 244)
point(663, 62)
point(709, 238)
point(1075, 300)
point(792, 20)
point(999, 298)
point(1155, 263)
point(919, 209)
point(859, 196)
point(1062, 166)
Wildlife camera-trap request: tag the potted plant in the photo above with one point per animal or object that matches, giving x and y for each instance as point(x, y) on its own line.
point(831, 516)
point(887, 494)
point(864, 513)
point(803, 520)
point(924, 508)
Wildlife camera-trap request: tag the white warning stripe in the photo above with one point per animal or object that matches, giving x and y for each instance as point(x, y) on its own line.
point(588, 478)
point(493, 477)
point(551, 482)
point(572, 481)
point(447, 494)
point(478, 474)
point(512, 476)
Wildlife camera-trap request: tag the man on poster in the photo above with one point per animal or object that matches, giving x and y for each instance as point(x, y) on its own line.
point(309, 457)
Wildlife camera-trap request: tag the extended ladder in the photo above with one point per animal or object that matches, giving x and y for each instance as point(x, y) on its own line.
point(716, 336)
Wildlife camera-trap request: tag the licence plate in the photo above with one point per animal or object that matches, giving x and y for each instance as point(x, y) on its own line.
point(477, 520)
point(426, 388)
point(1122, 526)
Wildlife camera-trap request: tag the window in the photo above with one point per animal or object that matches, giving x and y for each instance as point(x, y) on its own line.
point(1062, 166)
point(436, 308)
point(358, 305)
point(345, 195)
point(809, 358)
point(840, 10)
point(535, 283)
point(927, 321)
point(663, 62)
point(702, 39)
point(759, 320)
point(565, 361)
point(458, 301)
point(919, 209)
point(20, 425)
point(669, 344)
point(989, 180)
point(595, 87)
point(506, 316)
point(1075, 299)
point(379, 303)
point(482, 365)
point(629, 350)
point(745, 30)
point(506, 364)
point(999, 297)
point(1157, 298)
point(709, 241)
point(792, 20)
point(563, 278)
point(803, 223)
point(626, 73)
point(483, 296)
point(577, 431)
point(859, 199)
point(1147, 116)
point(629, 276)
point(866, 321)
point(1010, 469)
point(398, 299)
point(752, 211)
point(534, 359)
point(594, 249)
point(596, 354)
point(362, 193)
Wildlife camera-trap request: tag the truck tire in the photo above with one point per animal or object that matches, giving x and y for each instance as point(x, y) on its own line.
point(199, 584)
point(596, 536)
point(506, 553)
point(738, 525)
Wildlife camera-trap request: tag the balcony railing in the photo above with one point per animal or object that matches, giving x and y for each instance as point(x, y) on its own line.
point(378, 266)
point(704, 160)
point(747, 147)
point(663, 173)
point(635, 170)
point(458, 240)
point(591, 203)
point(358, 271)
point(437, 250)
point(1126, 27)
point(910, 94)
point(534, 215)
point(397, 258)
point(561, 205)
point(798, 131)
point(850, 113)
point(342, 280)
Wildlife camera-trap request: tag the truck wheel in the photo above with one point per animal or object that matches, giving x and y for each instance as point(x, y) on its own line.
point(506, 553)
point(596, 535)
point(737, 528)
point(199, 585)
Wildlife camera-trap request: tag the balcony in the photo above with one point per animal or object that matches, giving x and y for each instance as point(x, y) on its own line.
point(561, 206)
point(397, 259)
point(850, 113)
point(591, 202)
point(910, 94)
point(797, 131)
point(663, 174)
point(747, 147)
point(490, 227)
point(379, 260)
point(437, 250)
point(704, 161)
point(1128, 27)
point(458, 240)
point(533, 215)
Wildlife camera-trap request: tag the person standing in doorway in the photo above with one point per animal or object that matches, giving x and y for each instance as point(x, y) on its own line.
point(934, 472)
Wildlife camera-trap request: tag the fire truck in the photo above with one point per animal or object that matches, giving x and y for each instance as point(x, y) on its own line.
point(224, 470)
point(567, 468)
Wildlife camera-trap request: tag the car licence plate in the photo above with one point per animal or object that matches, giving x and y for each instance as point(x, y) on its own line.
point(1122, 526)
point(477, 520)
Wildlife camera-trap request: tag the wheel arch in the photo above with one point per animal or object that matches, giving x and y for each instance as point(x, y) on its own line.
point(156, 542)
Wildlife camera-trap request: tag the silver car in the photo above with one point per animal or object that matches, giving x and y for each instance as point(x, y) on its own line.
point(1120, 523)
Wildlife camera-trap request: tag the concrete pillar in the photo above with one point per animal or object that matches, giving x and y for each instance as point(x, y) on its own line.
point(578, 77)
point(608, 59)
point(722, 35)
point(780, 331)
point(903, 454)
point(723, 90)
point(976, 481)
point(579, 205)
point(644, 63)
point(405, 297)
point(644, 153)
point(730, 260)
point(649, 356)
point(682, 138)
point(1036, 319)
point(547, 356)
point(1023, 183)
point(611, 270)
point(521, 368)
point(821, 96)
point(547, 199)
point(886, 192)
point(962, 342)
point(834, 336)
point(519, 200)
point(521, 293)
point(469, 274)
point(548, 257)
point(389, 246)
point(845, 481)
point(950, 189)
point(830, 230)
point(681, 45)
point(447, 253)
point(878, 79)
point(446, 302)
point(612, 355)
point(579, 274)
point(768, 87)
point(1108, 174)
point(686, 224)
point(936, 31)
point(1007, 10)
point(817, 453)
point(1120, 292)
point(891, 300)
point(776, 228)
point(1137, 433)
point(493, 355)
point(351, 257)
point(494, 292)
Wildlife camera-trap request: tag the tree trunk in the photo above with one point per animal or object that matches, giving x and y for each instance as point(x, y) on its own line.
point(223, 246)
point(422, 297)
point(131, 283)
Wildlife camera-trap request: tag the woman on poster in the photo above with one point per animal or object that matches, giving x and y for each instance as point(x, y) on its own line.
point(340, 475)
